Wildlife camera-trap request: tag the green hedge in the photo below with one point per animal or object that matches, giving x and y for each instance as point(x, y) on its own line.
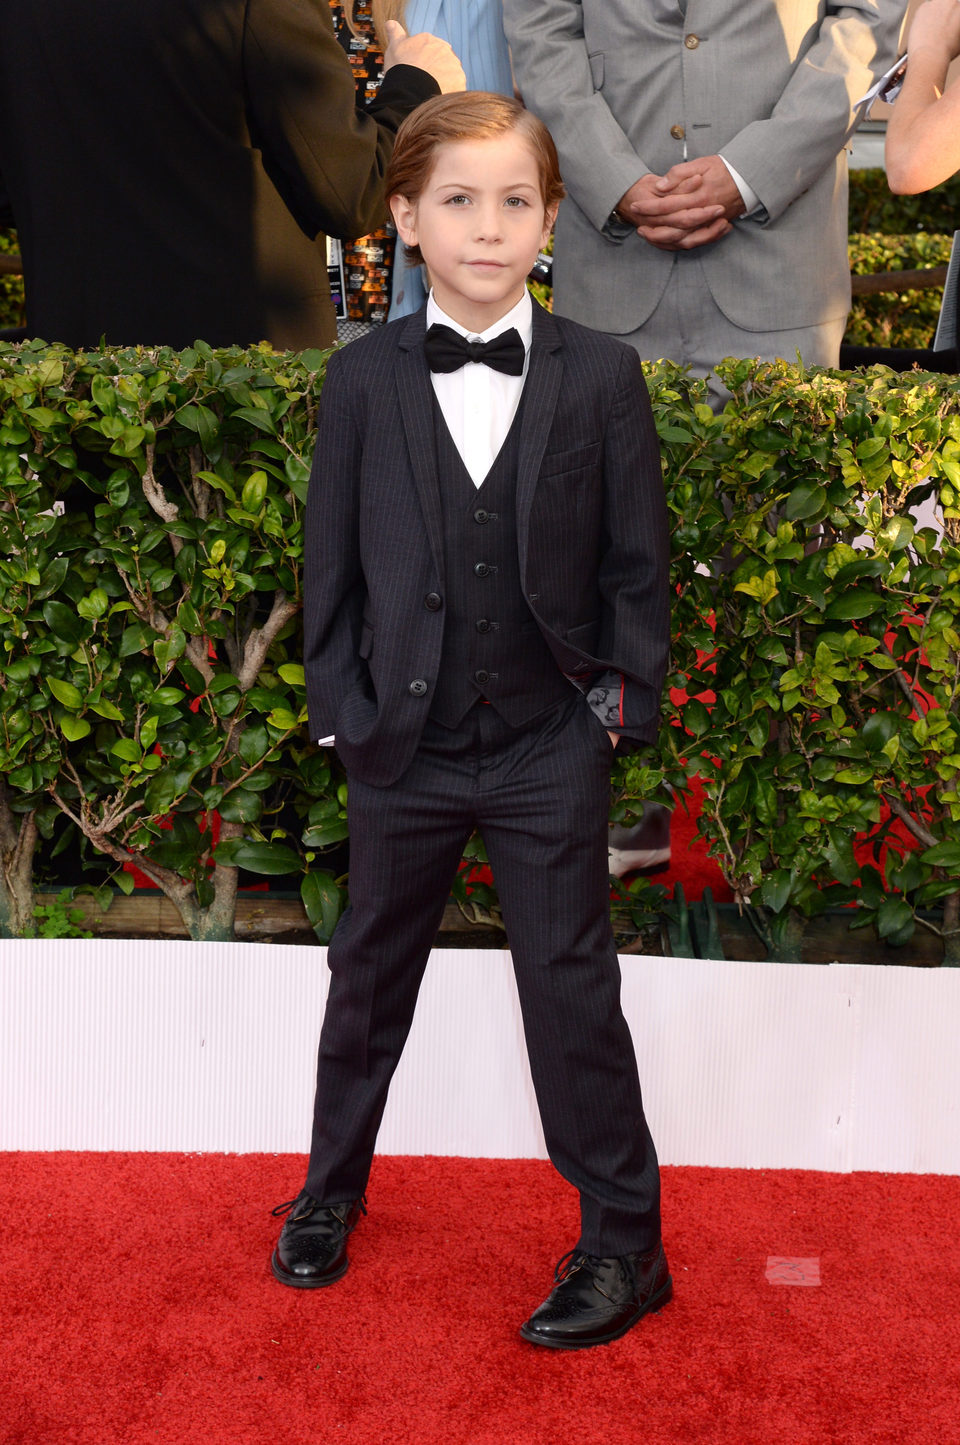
point(818, 675)
point(150, 521)
point(874, 207)
point(906, 318)
point(150, 665)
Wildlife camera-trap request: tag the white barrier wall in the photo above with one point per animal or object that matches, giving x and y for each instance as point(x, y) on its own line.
point(108, 1044)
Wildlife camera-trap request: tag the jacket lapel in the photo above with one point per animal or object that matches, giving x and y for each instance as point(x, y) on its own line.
point(539, 405)
point(416, 409)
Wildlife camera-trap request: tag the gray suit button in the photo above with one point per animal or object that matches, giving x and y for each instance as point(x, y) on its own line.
point(678, 132)
point(418, 687)
point(433, 602)
point(691, 41)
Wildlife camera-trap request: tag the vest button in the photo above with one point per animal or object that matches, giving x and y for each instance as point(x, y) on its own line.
point(418, 687)
point(691, 41)
point(433, 602)
point(481, 516)
point(481, 570)
point(678, 132)
point(483, 625)
point(481, 676)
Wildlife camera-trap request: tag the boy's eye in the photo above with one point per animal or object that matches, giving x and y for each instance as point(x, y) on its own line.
point(458, 200)
point(515, 201)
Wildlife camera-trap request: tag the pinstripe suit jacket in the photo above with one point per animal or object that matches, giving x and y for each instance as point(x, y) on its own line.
point(630, 88)
point(592, 533)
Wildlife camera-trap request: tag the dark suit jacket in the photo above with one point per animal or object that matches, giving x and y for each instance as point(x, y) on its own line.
point(592, 533)
point(170, 164)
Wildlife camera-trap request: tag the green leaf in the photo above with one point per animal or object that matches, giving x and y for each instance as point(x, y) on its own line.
point(878, 729)
point(74, 728)
point(65, 693)
point(323, 901)
point(63, 622)
point(943, 855)
point(254, 491)
point(805, 501)
point(270, 858)
point(853, 605)
point(895, 921)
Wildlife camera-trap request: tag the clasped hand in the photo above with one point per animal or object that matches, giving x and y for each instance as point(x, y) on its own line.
point(693, 204)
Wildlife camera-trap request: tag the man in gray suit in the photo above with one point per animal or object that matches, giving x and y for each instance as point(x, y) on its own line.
point(701, 143)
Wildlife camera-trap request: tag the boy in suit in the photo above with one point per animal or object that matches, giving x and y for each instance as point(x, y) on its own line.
point(486, 618)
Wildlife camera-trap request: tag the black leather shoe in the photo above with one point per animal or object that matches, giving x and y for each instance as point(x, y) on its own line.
point(598, 1300)
point(312, 1248)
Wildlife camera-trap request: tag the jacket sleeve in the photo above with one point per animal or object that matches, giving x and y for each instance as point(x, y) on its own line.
point(334, 588)
point(552, 69)
point(325, 153)
point(782, 155)
point(634, 572)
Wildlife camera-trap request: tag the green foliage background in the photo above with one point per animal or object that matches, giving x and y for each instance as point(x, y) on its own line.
point(150, 651)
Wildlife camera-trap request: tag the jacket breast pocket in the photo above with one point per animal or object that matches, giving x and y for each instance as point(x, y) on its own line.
point(574, 459)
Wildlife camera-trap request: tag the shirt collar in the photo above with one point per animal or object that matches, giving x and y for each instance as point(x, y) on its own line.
point(520, 317)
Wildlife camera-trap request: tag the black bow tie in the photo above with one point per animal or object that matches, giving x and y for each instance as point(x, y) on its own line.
point(447, 350)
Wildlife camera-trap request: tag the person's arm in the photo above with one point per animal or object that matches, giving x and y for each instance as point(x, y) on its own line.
point(324, 152)
point(782, 155)
point(334, 588)
point(6, 210)
point(600, 166)
point(635, 565)
point(923, 133)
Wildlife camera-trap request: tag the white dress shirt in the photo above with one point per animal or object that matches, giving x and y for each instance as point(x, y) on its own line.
point(478, 403)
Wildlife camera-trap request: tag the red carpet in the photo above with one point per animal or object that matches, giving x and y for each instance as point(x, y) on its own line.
point(138, 1306)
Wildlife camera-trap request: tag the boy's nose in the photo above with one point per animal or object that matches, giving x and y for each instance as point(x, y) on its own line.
point(489, 224)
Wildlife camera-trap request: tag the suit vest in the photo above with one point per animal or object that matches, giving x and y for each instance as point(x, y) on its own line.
point(492, 647)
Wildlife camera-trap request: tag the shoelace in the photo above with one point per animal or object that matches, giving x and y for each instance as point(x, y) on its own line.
point(311, 1206)
point(575, 1259)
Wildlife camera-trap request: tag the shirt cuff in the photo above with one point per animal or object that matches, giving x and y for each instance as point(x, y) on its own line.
point(326, 742)
point(751, 201)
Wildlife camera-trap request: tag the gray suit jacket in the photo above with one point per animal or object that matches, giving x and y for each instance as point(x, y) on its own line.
point(591, 522)
point(625, 84)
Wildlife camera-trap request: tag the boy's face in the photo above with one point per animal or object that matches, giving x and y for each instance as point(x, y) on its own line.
point(479, 222)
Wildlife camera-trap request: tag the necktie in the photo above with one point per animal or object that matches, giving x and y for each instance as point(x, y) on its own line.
point(447, 350)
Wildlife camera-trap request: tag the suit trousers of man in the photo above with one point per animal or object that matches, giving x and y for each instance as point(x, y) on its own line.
point(687, 326)
point(540, 796)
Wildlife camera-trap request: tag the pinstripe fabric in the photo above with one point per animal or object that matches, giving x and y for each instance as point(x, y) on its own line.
point(591, 525)
point(540, 797)
point(592, 550)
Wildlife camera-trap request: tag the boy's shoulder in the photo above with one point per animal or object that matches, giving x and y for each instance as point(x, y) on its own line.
point(371, 352)
point(598, 344)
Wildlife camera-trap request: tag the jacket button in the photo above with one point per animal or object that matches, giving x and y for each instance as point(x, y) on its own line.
point(691, 41)
point(481, 516)
point(481, 570)
point(433, 602)
point(678, 132)
point(418, 687)
point(483, 625)
point(481, 676)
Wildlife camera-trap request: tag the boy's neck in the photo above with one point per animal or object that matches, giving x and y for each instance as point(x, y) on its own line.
point(473, 317)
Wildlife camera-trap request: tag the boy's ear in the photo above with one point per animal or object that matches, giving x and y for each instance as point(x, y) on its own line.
point(550, 216)
point(404, 214)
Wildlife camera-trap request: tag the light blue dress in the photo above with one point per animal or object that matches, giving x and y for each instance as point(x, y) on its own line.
point(474, 29)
